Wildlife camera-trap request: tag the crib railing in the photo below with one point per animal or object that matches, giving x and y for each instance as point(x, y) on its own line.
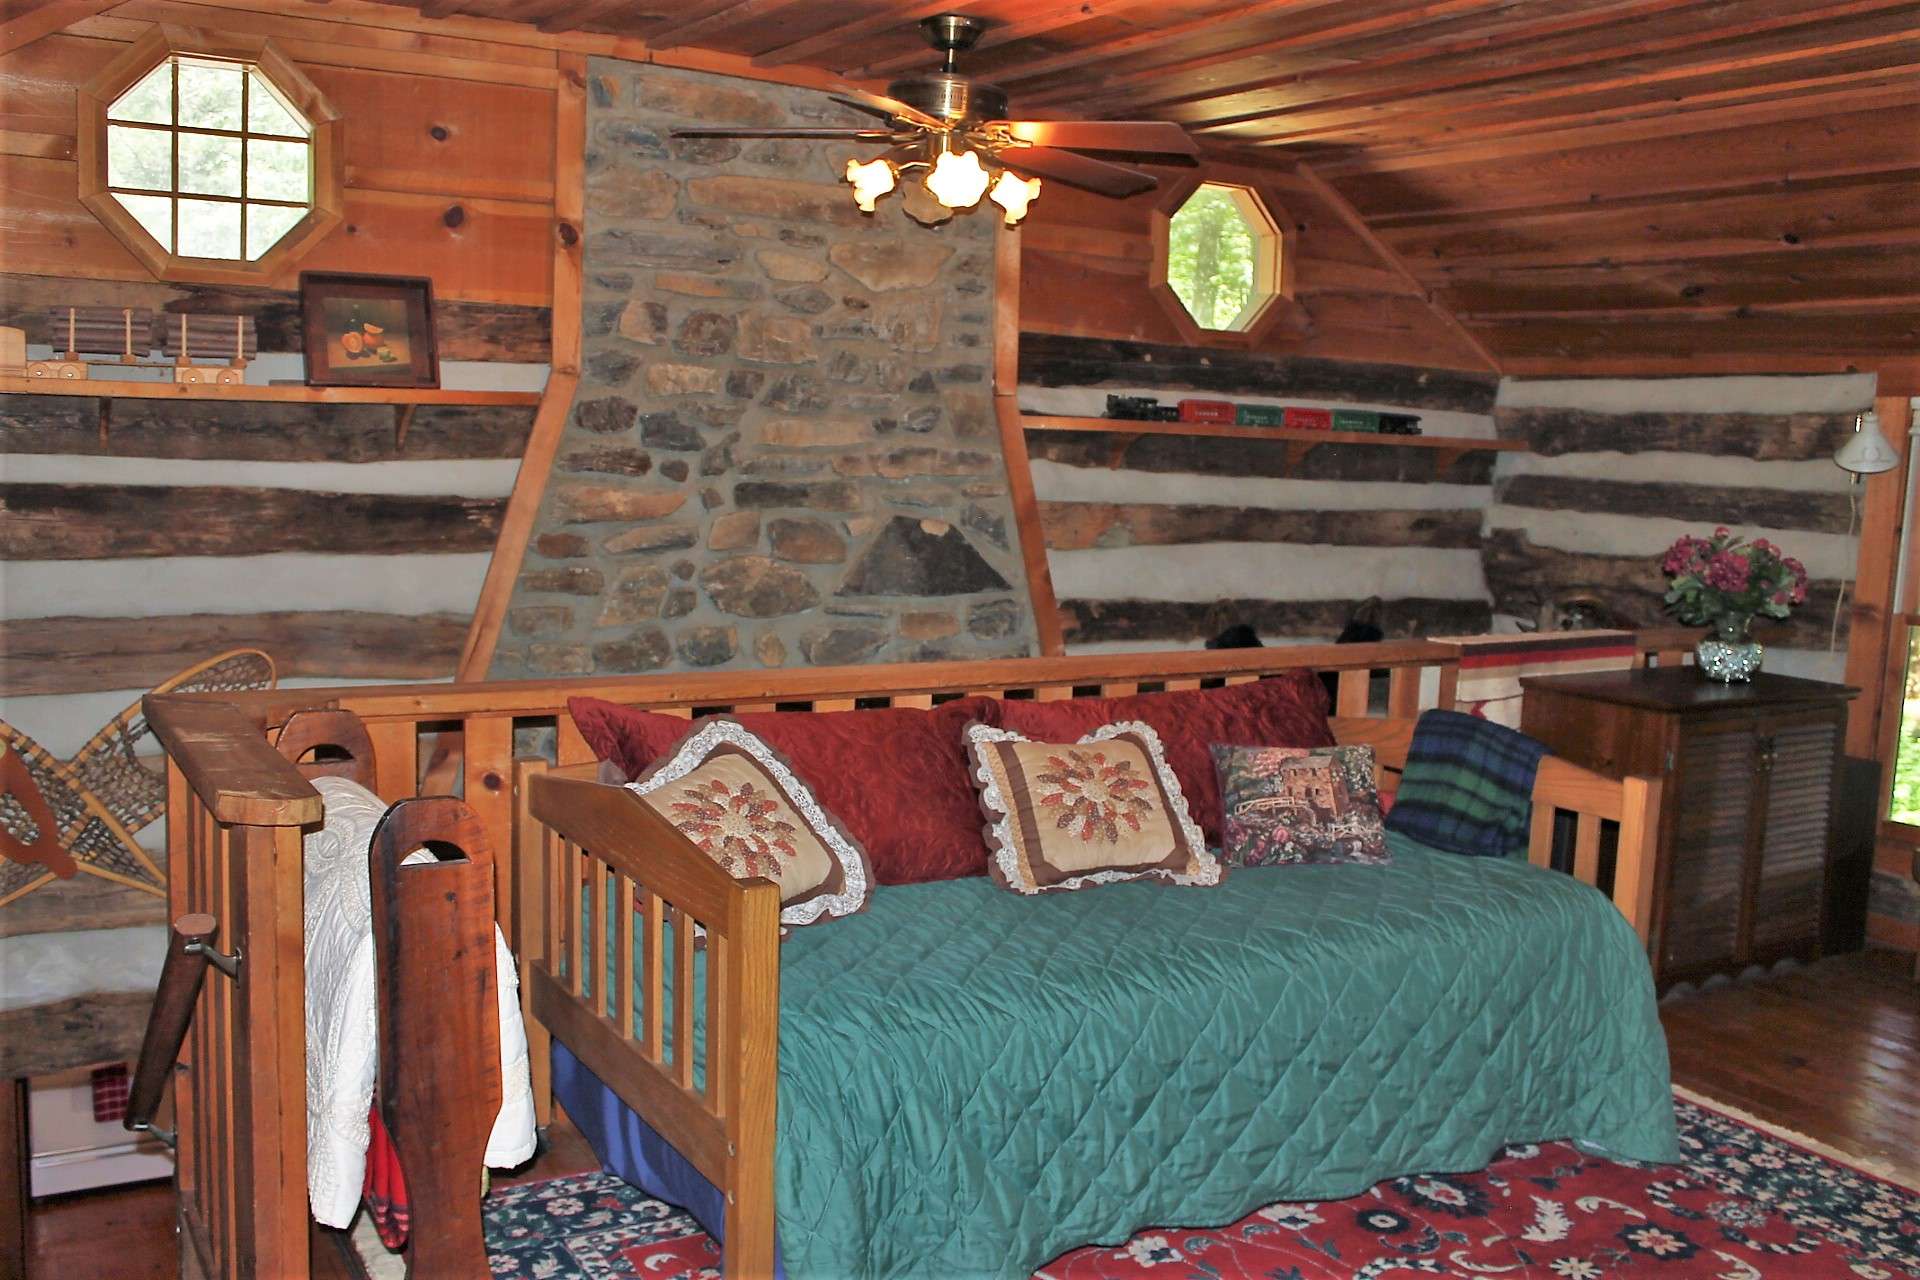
point(606, 877)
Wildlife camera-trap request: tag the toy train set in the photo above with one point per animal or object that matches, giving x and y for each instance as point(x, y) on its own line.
point(1226, 413)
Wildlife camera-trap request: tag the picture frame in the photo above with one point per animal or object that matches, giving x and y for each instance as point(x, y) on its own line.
point(363, 330)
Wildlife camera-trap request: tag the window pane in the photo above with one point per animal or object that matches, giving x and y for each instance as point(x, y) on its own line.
point(209, 230)
point(209, 96)
point(1906, 751)
point(139, 158)
point(277, 170)
point(209, 164)
point(155, 213)
point(266, 224)
point(151, 100)
point(267, 114)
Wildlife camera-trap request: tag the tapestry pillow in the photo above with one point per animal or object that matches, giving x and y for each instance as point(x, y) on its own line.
point(896, 776)
point(1068, 815)
point(733, 796)
point(1288, 710)
point(1284, 805)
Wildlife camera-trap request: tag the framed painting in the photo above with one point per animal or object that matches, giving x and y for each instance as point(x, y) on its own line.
point(368, 331)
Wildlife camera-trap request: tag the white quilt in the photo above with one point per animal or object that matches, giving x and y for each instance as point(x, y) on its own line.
point(342, 1012)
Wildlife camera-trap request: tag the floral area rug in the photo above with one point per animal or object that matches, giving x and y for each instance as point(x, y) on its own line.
point(1747, 1204)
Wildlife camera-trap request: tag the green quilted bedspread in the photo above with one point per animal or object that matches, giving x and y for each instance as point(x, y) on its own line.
point(973, 1082)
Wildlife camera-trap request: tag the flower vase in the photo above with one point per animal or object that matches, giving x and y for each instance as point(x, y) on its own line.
point(1729, 655)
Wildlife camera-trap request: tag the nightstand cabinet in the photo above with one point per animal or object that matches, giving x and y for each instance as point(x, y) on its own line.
point(1748, 812)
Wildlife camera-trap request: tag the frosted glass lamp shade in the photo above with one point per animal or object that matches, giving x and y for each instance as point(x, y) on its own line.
point(870, 181)
point(958, 179)
point(1866, 451)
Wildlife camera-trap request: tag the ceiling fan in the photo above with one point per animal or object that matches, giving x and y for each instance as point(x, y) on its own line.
point(955, 128)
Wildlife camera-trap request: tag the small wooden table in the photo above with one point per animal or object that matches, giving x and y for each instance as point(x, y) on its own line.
point(1747, 824)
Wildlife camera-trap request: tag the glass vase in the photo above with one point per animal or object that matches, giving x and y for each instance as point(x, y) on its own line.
point(1730, 655)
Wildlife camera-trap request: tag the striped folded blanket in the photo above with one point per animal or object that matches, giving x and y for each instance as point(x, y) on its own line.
point(1468, 786)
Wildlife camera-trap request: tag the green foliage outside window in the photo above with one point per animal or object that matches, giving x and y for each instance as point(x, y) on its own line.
point(1210, 257)
point(1906, 753)
point(258, 169)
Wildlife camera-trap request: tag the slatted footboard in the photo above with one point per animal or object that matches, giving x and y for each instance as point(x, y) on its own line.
point(602, 872)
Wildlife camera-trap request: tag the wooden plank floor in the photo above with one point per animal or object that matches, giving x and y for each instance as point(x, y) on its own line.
point(1831, 1051)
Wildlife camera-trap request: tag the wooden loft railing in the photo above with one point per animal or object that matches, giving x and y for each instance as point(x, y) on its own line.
point(237, 808)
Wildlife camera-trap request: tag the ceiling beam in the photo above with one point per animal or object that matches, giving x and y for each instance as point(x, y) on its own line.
point(25, 24)
point(1345, 211)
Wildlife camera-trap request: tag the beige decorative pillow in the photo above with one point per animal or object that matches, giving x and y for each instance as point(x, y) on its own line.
point(733, 796)
point(1069, 815)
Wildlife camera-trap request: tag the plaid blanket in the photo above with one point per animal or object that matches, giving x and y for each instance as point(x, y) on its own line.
point(1468, 786)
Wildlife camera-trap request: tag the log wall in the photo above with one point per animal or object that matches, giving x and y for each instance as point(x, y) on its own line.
point(194, 527)
point(1160, 541)
point(1618, 468)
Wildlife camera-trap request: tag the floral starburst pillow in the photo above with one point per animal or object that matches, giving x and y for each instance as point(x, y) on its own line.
point(1067, 815)
point(737, 799)
point(1284, 805)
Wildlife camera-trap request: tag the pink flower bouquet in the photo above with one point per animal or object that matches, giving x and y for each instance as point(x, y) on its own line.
point(1720, 578)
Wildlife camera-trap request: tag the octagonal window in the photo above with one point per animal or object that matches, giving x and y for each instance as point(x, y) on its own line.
point(1221, 257)
point(208, 162)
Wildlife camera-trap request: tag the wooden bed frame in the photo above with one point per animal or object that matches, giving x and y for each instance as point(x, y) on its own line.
point(236, 814)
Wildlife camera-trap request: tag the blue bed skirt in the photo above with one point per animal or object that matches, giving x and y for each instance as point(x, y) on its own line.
point(633, 1150)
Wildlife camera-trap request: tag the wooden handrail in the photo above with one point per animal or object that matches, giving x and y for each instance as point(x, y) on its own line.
point(226, 759)
point(704, 688)
point(189, 945)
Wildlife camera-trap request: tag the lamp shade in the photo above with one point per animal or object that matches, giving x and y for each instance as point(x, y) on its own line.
point(958, 179)
point(1866, 451)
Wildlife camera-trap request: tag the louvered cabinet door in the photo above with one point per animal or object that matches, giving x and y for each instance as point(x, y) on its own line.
point(1799, 759)
point(1714, 820)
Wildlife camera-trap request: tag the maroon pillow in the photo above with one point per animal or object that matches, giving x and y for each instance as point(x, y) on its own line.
point(896, 777)
point(1288, 710)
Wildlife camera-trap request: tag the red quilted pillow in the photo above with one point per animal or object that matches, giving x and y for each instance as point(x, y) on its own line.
point(1287, 710)
point(895, 776)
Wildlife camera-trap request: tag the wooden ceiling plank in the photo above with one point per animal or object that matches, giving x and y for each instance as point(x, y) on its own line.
point(571, 17)
point(1315, 38)
point(27, 25)
point(1038, 23)
point(1582, 55)
point(1047, 64)
point(1893, 71)
point(1897, 150)
point(1877, 29)
point(842, 34)
point(1478, 44)
point(1885, 211)
point(714, 22)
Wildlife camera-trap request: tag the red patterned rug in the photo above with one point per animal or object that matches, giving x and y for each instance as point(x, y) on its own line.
point(1747, 1204)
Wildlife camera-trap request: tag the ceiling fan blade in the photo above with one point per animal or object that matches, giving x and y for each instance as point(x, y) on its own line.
point(1077, 170)
point(1152, 136)
point(875, 104)
point(854, 135)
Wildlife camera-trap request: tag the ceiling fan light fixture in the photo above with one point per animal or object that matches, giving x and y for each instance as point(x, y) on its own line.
point(870, 181)
point(958, 179)
point(1014, 194)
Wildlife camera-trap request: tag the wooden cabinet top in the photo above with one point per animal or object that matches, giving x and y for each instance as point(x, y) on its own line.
point(1684, 689)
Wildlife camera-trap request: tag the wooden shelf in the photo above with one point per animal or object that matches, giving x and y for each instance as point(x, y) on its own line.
point(1447, 449)
point(116, 389)
point(404, 400)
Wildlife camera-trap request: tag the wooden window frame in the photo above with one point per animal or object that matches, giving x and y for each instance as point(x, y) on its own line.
point(123, 73)
point(1274, 255)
